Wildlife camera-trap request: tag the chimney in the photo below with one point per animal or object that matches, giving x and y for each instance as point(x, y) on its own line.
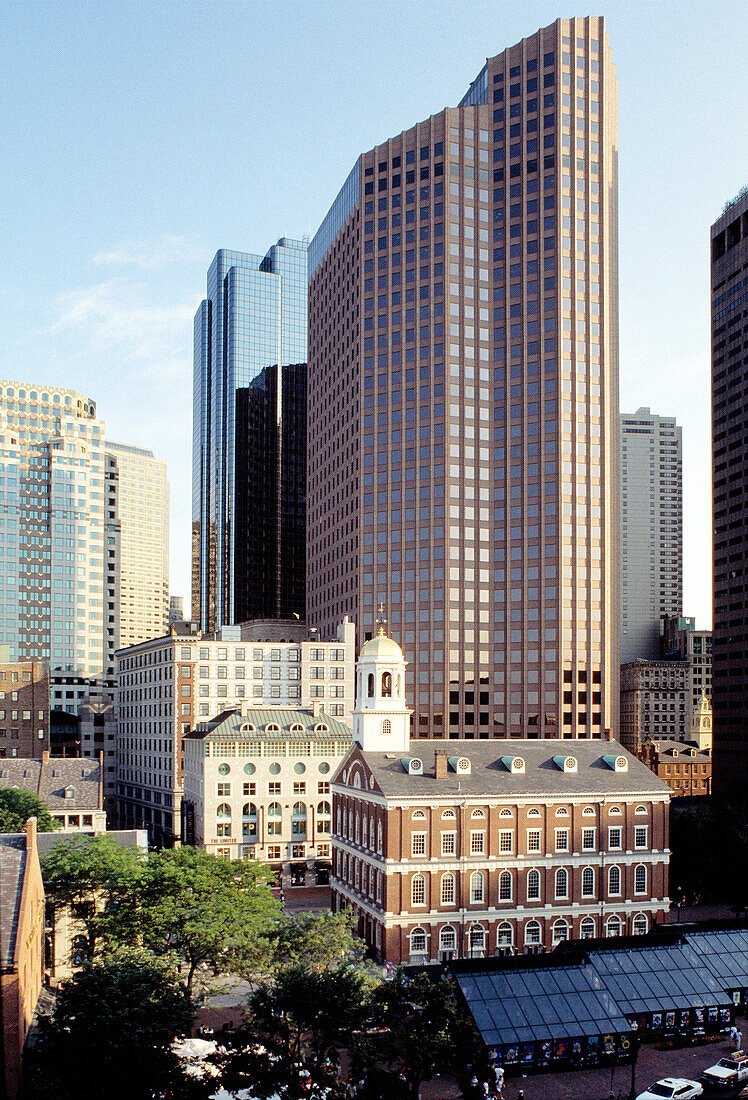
point(45, 756)
point(31, 834)
point(440, 760)
point(316, 707)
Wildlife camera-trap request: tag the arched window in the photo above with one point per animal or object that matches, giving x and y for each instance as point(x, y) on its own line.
point(562, 812)
point(534, 812)
point(370, 685)
point(505, 886)
point(386, 727)
point(379, 836)
point(274, 819)
point(477, 942)
point(447, 938)
point(418, 942)
point(532, 932)
point(533, 885)
point(357, 780)
point(640, 810)
point(476, 887)
point(249, 821)
point(587, 929)
point(448, 889)
point(588, 883)
point(386, 685)
point(418, 815)
point(323, 817)
point(613, 926)
point(588, 811)
point(477, 814)
point(615, 811)
point(223, 810)
point(640, 879)
point(614, 880)
point(506, 813)
point(559, 931)
point(448, 815)
point(639, 925)
point(504, 934)
point(418, 890)
point(364, 832)
point(562, 883)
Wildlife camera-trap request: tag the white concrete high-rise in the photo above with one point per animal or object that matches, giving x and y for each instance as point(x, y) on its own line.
point(651, 530)
point(142, 504)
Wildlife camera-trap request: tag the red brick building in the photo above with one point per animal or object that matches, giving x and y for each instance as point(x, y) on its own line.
point(453, 849)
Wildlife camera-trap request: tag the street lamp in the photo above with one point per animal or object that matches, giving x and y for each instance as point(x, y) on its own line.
point(635, 1043)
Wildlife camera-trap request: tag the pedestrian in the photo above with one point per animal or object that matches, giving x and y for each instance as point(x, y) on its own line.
point(738, 1038)
point(521, 1094)
point(733, 1033)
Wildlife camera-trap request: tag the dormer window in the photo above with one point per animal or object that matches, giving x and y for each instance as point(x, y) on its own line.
point(70, 792)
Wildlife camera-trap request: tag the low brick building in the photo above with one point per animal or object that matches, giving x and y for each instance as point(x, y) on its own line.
point(71, 789)
point(469, 848)
point(21, 948)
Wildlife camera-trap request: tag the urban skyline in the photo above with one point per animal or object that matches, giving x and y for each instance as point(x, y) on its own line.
point(131, 307)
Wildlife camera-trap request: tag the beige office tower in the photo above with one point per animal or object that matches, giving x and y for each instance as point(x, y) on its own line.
point(140, 489)
point(463, 398)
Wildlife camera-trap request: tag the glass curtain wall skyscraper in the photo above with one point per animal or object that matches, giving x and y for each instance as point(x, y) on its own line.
point(463, 398)
point(249, 438)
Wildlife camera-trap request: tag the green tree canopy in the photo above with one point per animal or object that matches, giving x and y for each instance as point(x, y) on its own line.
point(215, 912)
point(322, 941)
point(100, 882)
point(423, 1031)
point(302, 1016)
point(111, 1033)
point(17, 806)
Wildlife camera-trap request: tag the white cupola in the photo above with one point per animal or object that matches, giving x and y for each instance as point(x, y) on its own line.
point(381, 720)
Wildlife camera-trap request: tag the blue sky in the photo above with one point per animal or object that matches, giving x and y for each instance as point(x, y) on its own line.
point(138, 138)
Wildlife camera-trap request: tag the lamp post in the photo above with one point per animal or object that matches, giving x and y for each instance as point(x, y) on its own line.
point(634, 1056)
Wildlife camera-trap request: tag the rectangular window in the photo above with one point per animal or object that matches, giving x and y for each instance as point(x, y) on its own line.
point(588, 840)
point(323, 787)
point(449, 844)
point(614, 838)
point(640, 836)
point(562, 840)
point(506, 840)
point(299, 788)
point(223, 790)
point(418, 844)
point(249, 788)
point(533, 840)
point(274, 788)
point(477, 843)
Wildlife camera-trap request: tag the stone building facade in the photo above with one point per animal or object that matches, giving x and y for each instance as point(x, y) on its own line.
point(472, 849)
point(257, 786)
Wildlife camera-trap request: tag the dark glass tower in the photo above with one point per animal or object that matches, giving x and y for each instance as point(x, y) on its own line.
point(249, 438)
point(729, 242)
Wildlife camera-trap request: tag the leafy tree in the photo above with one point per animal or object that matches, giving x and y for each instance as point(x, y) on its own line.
point(316, 942)
point(17, 806)
point(422, 1033)
point(209, 911)
point(111, 1032)
point(99, 882)
point(304, 1016)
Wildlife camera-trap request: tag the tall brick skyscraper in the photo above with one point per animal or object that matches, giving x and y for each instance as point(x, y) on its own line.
point(463, 398)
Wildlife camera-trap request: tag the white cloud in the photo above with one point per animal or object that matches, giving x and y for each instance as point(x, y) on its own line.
point(116, 318)
point(151, 256)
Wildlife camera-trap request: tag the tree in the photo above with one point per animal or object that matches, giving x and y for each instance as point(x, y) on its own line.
point(100, 883)
point(17, 806)
point(423, 1031)
point(302, 1018)
point(111, 1033)
point(317, 942)
point(210, 911)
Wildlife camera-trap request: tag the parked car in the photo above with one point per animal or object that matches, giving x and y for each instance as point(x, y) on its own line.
point(672, 1088)
point(728, 1072)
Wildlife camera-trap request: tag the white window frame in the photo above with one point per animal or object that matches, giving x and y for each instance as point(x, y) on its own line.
point(559, 836)
point(534, 833)
point(613, 829)
point(418, 841)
